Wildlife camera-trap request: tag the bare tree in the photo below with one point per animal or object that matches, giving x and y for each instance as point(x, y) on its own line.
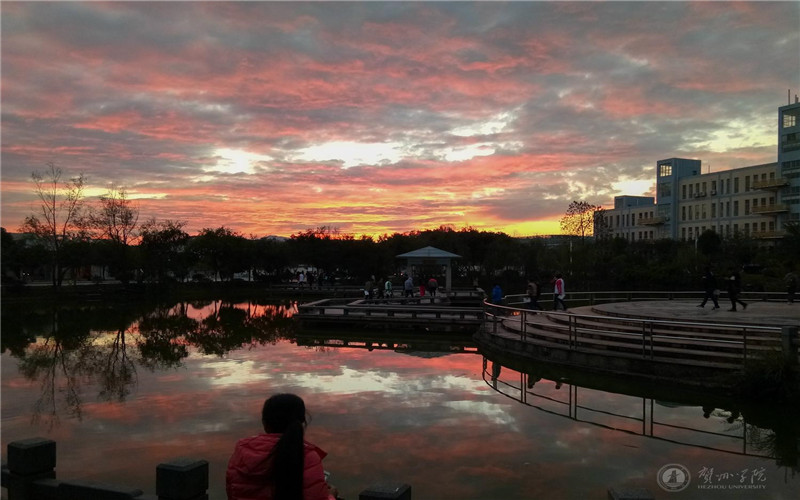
point(115, 221)
point(59, 218)
point(117, 217)
point(579, 219)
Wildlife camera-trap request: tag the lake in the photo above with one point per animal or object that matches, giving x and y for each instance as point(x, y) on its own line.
point(123, 388)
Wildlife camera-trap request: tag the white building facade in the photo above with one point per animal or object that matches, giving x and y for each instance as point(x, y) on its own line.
point(756, 201)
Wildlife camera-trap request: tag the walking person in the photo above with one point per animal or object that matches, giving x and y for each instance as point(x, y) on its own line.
point(280, 463)
point(791, 286)
point(559, 292)
point(497, 294)
point(368, 287)
point(432, 286)
point(710, 287)
point(408, 287)
point(387, 289)
point(533, 292)
point(734, 289)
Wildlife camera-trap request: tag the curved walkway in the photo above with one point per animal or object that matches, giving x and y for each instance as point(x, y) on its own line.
point(663, 339)
point(758, 313)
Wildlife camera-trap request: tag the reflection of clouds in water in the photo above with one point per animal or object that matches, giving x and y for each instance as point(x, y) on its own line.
point(228, 372)
point(349, 381)
point(495, 413)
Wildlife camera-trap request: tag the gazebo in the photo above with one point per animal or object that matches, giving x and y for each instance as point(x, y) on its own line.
point(429, 257)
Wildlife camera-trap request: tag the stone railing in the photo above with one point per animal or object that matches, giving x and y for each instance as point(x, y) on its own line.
point(30, 475)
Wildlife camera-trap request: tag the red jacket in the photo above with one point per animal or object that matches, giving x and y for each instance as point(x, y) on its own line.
point(247, 470)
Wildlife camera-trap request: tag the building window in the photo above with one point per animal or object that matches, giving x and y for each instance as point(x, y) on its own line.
point(713, 210)
point(683, 213)
point(683, 192)
point(727, 185)
point(746, 229)
point(746, 183)
point(746, 209)
point(727, 209)
point(735, 185)
point(665, 170)
point(735, 208)
point(713, 187)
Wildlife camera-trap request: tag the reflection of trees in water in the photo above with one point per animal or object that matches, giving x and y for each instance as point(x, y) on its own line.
point(161, 333)
point(49, 361)
point(105, 345)
point(230, 326)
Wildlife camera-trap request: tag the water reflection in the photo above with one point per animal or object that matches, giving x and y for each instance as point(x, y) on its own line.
point(734, 428)
point(138, 384)
point(67, 348)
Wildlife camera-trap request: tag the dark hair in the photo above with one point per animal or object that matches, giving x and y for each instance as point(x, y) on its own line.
point(285, 414)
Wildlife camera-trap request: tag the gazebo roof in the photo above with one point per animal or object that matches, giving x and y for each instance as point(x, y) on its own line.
point(429, 253)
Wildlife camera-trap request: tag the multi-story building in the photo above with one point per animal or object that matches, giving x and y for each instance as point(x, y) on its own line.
point(756, 201)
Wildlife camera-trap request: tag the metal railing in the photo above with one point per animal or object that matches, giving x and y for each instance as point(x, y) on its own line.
point(718, 343)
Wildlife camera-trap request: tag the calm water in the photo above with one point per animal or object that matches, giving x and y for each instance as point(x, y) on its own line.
point(121, 390)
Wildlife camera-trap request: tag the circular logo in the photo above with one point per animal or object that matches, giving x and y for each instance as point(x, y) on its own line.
point(673, 477)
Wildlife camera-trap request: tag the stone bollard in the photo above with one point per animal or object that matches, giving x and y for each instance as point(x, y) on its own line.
point(29, 460)
point(386, 491)
point(789, 344)
point(182, 479)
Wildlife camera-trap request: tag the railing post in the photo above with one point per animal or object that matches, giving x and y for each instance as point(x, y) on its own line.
point(572, 334)
point(29, 460)
point(182, 479)
point(644, 339)
point(789, 343)
point(744, 346)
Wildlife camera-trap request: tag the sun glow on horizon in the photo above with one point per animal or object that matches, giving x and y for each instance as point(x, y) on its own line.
point(236, 161)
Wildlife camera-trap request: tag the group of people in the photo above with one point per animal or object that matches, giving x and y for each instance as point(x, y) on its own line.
point(534, 290)
point(430, 286)
point(712, 291)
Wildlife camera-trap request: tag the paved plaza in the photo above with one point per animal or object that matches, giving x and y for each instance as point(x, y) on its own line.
point(760, 313)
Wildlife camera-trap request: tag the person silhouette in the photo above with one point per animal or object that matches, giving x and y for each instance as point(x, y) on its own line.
point(280, 463)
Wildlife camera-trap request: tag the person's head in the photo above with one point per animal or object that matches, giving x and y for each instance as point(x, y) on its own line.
point(281, 411)
point(558, 275)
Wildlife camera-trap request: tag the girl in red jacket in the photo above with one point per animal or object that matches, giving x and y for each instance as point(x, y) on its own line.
point(280, 464)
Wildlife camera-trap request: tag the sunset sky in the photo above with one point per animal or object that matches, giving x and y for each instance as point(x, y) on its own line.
point(274, 117)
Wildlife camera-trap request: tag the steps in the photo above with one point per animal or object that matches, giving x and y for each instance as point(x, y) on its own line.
point(591, 330)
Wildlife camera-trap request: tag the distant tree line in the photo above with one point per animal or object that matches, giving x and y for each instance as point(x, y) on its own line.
point(67, 238)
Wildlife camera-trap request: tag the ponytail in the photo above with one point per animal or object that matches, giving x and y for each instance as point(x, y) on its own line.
point(287, 463)
point(285, 414)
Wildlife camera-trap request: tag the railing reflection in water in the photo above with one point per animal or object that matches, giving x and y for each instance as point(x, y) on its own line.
point(644, 422)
